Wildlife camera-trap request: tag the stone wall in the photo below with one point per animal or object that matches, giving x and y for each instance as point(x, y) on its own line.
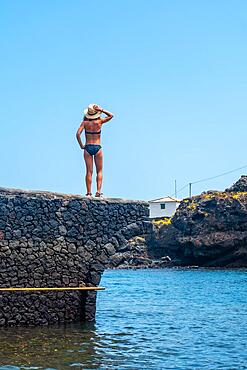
point(57, 240)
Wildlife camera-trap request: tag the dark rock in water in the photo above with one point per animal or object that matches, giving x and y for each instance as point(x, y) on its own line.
point(240, 185)
point(136, 254)
point(163, 242)
point(166, 259)
point(207, 230)
point(131, 254)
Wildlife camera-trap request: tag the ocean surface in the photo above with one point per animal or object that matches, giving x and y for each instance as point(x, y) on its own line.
point(146, 319)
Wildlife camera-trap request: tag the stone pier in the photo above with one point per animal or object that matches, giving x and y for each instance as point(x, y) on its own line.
point(58, 240)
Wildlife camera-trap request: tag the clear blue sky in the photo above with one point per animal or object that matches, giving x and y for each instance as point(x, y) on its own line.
point(174, 73)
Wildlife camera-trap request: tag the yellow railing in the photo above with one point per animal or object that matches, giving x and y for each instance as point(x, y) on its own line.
point(12, 289)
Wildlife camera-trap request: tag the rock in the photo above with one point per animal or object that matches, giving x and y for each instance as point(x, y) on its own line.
point(110, 250)
point(80, 250)
point(95, 278)
point(2, 322)
point(17, 233)
point(87, 256)
point(73, 232)
point(166, 259)
point(53, 223)
point(49, 251)
point(57, 248)
point(239, 186)
point(72, 248)
point(207, 230)
point(90, 245)
point(103, 258)
point(62, 230)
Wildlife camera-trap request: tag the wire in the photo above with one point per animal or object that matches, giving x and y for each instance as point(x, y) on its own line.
point(178, 191)
point(222, 174)
point(210, 178)
point(185, 186)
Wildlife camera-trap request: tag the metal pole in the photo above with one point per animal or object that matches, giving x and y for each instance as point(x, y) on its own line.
point(190, 192)
point(175, 188)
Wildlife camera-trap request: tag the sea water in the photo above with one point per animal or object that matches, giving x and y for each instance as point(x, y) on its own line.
point(146, 319)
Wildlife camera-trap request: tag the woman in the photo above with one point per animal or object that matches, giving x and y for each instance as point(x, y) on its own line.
point(92, 123)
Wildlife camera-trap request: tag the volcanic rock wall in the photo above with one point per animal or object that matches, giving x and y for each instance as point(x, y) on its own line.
point(208, 230)
point(57, 240)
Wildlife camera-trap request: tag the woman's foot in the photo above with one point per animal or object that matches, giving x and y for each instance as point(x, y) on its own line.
point(98, 194)
point(88, 194)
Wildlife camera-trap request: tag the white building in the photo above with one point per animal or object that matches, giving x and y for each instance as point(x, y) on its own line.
point(163, 207)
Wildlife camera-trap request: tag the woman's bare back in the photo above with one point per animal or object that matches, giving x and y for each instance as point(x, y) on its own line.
point(93, 126)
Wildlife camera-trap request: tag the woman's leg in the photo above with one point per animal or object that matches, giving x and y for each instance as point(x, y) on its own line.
point(89, 166)
point(98, 159)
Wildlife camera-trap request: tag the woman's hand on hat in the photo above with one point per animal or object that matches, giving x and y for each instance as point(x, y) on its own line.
point(97, 108)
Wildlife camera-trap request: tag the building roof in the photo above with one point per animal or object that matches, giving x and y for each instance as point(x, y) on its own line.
point(165, 200)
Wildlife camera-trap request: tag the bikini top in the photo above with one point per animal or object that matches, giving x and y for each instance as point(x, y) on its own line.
point(93, 132)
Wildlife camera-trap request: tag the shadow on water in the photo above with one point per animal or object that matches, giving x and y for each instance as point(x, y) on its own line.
point(57, 347)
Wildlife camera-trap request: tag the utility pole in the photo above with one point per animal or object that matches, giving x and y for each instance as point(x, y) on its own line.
point(175, 184)
point(190, 189)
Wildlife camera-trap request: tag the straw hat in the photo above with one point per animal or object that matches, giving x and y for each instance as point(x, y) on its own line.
point(90, 112)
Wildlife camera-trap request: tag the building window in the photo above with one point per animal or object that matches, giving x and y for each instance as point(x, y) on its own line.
point(163, 206)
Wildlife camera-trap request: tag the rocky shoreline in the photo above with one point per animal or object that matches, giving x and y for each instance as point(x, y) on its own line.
point(208, 230)
point(136, 255)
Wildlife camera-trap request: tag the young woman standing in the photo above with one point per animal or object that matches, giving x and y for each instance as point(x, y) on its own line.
point(92, 124)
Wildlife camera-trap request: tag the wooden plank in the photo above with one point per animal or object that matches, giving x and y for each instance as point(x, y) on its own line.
point(12, 289)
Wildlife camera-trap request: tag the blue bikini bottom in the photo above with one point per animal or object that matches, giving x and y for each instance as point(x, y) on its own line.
point(92, 148)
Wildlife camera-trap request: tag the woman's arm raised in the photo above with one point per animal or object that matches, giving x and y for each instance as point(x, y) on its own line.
point(109, 114)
